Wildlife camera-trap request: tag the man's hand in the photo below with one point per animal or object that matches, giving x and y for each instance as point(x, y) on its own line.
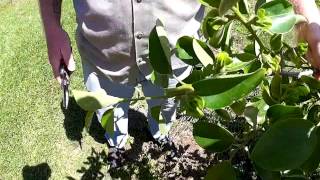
point(58, 43)
point(310, 30)
point(59, 51)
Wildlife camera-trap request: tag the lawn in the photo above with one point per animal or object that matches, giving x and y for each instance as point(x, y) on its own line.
point(36, 138)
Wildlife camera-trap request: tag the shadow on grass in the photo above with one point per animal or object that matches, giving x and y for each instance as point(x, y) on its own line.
point(74, 123)
point(39, 172)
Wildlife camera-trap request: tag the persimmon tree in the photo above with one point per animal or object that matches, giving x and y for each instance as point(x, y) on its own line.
point(268, 83)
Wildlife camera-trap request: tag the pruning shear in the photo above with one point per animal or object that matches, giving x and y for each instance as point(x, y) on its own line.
point(64, 74)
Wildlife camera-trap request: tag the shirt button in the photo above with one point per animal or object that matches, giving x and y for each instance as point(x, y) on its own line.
point(139, 35)
point(140, 60)
point(139, 1)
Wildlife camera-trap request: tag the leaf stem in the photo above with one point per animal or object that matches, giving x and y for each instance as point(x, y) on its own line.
point(247, 24)
point(145, 98)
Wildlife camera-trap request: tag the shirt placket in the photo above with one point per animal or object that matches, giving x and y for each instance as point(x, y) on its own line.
point(142, 23)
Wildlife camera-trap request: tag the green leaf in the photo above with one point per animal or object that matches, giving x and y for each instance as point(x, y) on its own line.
point(285, 145)
point(267, 175)
point(275, 87)
point(244, 6)
point(225, 5)
point(282, 14)
point(276, 42)
point(296, 94)
point(266, 96)
point(280, 112)
point(193, 51)
point(219, 37)
point(223, 59)
point(236, 65)
point(210, 3)
point(221, 171)
point(314, 114)
point(193, 105)
point(245, 57)
point(92, 101)
point(313, 83)
point(161, 80)
point(252, 67)
point(185, 52)
point(223, 91)
point(159, 50)
point(202, 52)
point(314, 160)
point(224, 114)
point(238, 107)
point(196, 75)
point(212, 137)
point(88, 120)
point(255, 112)
point(107, 121)
point(211, 23)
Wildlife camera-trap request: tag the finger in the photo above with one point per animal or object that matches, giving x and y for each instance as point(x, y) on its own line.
point(71, 64)
point(68, 58)
point(58, 78)
point(315, 53)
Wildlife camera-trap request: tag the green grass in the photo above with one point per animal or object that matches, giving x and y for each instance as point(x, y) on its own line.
point(33, 129)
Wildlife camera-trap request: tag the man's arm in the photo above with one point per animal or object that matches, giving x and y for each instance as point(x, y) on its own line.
point(58, 43)
point(310, 31)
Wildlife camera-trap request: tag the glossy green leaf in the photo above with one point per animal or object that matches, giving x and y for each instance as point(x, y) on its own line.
point(107, 121)
point(285, 145)
point(196, 75)
point(296, 94)
point(236, 65)
point(255, 112)
point(223, 91)
point(224, 114)
point(238, 107)
point(158, 79)
point(159, 49)
point(226, 5)
point(267, 175)
point(212, 137)
point(193, 105)
point(223, 59)
point(88, 120)
point(281, 112)
point(193, 51)
point(211, 23)
point(245, 57)
point(221, 171)
point(311, 82)
point(314, 114)
point(244, 6)
point(202, 52)
point(185, 52)
point(275, 87)
point(276, 42)
point(92, 101)
point(314, 160)
point(210, 3)
point(266, 96)
point(219, 37)
point(282, 14)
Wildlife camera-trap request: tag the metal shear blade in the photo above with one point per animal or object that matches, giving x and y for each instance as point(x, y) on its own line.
point(65, 86)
